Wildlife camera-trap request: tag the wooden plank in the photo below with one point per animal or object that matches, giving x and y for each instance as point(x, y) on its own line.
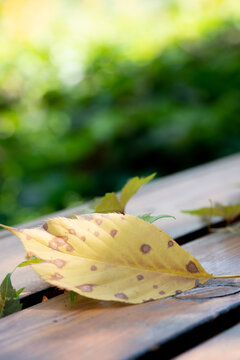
point(221, 347)
point(217, 181)
point(107, 330)
point(12, 253)
point(188, 189)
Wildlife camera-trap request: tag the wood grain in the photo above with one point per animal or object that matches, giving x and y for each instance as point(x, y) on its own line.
point(185, 190)
point(221, 347)
point(106, 330)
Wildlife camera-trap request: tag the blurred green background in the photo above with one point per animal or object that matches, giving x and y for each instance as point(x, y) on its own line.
point(94, 92)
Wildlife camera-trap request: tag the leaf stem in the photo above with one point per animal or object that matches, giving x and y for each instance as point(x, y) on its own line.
point(226, 276)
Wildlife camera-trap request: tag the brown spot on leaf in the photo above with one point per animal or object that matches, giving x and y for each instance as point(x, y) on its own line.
point(69, 248)
point(113, 232)
point(64, 238)
point(93, 268)
point(86, 287)
point(72, 231)
point(170, 243)
point(123, 218)
point(60, 242)
point(191, 267)
point(140, 277)
point(52, 244)
point(45, 226)
point(145, 248)
point(58, 262)
point(96, 233)
point(161, 292)
point(121, 295)
point(99, 221)
point(155, 286)
point(56, 276)
point(83, 238)
point(28, 237)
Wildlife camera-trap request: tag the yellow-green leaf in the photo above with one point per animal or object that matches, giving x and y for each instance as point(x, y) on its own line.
point(111, 257)
point(109, 203)
point(34, 260)
point(227, 212)
point(72, 297)
point(151, 218)
point(132, 186)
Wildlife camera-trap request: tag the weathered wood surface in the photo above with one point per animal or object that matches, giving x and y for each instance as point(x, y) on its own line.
point(217, 181)
point(221, 347)
point(186, 190)
point(111, 331)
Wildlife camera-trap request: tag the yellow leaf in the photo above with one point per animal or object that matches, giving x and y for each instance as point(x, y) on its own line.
point(111, 257)
point(109, 203)
point(132, 186)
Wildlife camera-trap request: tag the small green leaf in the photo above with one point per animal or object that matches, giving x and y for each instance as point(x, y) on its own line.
point(19, 291)
point(149, 218)
point(227, 212)
point(33, 260)
point(109, 203)
point(72, 297)
point(9, 299)
point(131, 187)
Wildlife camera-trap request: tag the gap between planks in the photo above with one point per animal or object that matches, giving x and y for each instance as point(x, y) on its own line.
point(225, 345)
point(185, 345)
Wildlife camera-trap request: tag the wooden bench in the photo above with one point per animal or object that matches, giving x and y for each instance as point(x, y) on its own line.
point(198, 324)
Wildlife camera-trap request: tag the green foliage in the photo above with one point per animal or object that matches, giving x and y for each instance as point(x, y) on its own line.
point(227, 212)
point(149, 218)
point(9, 297)
point(34, 260)
point(110, 202)
point(138, 105)
point(72, 295)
